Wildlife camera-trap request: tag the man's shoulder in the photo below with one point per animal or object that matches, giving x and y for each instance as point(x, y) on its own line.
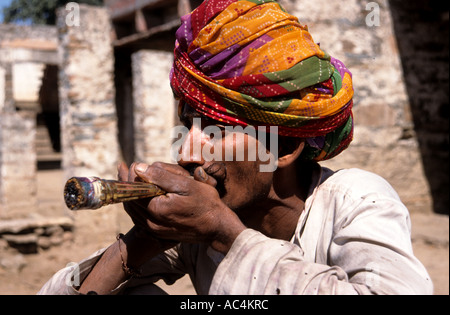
point(353, 173)
point(354, 192)
point(355, 181)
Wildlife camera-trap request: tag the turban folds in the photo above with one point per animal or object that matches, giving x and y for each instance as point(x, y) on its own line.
point(249, 62)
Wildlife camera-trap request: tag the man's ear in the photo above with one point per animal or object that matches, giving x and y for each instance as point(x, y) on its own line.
point(289, 151)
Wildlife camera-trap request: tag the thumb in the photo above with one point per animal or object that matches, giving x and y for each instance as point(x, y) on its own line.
point(201, 176)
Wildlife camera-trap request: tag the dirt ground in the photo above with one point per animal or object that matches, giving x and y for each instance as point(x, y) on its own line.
point(25, 274)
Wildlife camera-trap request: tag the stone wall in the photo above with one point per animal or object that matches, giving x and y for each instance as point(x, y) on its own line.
point(2, 88)
point(385, 139)
point(154, 105)
point(20, 43)
point(88, 113)
point(17, 164)
point(27, 81)
point(87, 107)
point(22, 48)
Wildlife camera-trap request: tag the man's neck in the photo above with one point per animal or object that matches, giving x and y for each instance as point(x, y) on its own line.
point(278, 215)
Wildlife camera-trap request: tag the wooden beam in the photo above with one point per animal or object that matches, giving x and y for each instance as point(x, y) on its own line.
point(150, 32)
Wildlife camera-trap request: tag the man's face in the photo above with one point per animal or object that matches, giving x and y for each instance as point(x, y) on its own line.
point(232, 156)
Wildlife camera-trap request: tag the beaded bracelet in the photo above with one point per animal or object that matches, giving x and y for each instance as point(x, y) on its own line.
point(129, 272)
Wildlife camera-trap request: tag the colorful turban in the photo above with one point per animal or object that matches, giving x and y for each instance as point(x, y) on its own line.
point(249, 62)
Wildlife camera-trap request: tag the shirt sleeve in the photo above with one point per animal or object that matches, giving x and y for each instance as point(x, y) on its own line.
point(257, 265)
point(66, 280)
point(164, 266)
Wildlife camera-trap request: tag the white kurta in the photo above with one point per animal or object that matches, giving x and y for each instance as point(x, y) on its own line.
point(353, 238)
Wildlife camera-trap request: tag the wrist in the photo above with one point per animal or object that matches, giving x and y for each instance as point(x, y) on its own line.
point(139, 247)
point(224, 240)
point(131, 250)
point(129, 271)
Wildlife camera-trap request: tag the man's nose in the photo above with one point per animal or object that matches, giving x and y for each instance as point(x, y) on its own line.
point(191, 150)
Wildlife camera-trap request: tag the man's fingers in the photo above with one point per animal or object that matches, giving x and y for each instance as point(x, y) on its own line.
point(201, 176)
point(122, 172)
point(172, 168)
point(170, 179)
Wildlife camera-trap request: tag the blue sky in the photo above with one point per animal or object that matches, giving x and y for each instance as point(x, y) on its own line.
point(3, 3)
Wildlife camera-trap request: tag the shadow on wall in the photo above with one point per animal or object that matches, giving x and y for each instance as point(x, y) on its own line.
point(422, 31)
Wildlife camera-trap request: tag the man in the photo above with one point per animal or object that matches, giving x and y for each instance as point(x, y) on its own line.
point(241, 226)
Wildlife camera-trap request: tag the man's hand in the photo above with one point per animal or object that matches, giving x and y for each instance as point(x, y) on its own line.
point(191, 211)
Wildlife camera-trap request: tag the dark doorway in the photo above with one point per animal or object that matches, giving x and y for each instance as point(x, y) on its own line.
point(48, 138)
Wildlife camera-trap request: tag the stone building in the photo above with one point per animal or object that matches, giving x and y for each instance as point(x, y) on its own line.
point(99, 92)
point(28, 105)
